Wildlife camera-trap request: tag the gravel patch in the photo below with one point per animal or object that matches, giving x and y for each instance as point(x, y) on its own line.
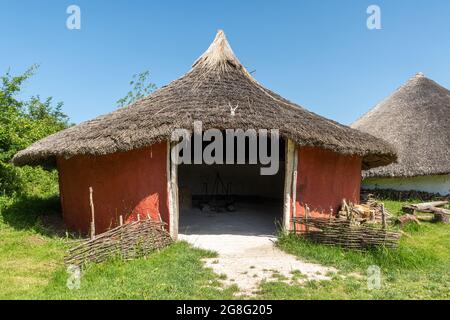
point(246, 261)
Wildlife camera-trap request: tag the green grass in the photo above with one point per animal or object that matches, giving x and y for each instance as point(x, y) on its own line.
point(31, 265)
point(29, 253)
point(173, 273)
point(418, 269)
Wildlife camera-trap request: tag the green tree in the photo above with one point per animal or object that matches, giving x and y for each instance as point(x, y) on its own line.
point(23, 122)
point(140, 87)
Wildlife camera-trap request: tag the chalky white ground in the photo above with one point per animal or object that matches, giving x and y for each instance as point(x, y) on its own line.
point(244, 241)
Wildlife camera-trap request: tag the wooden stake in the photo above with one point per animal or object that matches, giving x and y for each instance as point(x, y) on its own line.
point(383, 217)
point(160, 219)
point(306, 218)
point(121, 220)
point(91, 203)
point(345, 208)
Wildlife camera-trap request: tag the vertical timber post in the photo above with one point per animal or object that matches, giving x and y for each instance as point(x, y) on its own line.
point(294, 184)
point(91, 204)
point(290, 150)
point(172, 191)
point(383, 217)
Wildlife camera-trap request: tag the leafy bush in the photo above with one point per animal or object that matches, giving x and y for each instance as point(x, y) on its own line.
point(23, 122)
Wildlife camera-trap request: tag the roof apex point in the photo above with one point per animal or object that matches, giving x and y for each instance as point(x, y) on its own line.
point(420, 75)
point(220, 34)
point(218, 55)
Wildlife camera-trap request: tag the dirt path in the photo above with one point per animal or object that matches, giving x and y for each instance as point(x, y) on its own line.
point(247, 260)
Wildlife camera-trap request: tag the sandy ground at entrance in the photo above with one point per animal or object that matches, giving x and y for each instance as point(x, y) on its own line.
point(244, 241)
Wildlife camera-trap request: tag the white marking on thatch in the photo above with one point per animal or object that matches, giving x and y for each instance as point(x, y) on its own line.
point(233, 110)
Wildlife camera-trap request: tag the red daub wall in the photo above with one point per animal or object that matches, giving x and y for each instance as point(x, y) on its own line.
point(324, 178)
point(124, 183)
point(128, 183)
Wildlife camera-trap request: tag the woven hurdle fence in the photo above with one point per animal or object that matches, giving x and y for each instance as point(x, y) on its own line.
point(128, 241)
point(345, 233)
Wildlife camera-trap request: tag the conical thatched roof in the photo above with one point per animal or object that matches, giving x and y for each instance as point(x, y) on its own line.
point(415, 120)
point(216, 81)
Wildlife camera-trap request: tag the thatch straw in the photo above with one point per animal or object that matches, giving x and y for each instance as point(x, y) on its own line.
point(216, 81)
point(416, 121)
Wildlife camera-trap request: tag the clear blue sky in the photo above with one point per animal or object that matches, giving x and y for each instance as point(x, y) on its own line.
point(318, 54)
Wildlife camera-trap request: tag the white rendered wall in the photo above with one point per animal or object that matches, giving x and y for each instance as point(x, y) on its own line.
point(433, 184)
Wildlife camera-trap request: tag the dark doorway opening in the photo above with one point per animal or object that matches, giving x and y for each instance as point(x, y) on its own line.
point(231, 198)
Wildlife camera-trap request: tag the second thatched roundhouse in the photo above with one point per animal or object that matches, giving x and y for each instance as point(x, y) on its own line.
point(125, 155)
point(416, 121)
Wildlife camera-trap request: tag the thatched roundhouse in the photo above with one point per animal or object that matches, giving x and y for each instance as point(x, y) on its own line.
point(416, 121)
point(125, 155)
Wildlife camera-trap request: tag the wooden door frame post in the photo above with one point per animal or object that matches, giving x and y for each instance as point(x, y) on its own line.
point(172, 192)
point(290, 183)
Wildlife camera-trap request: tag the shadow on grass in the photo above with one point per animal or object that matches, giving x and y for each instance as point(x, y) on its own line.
point(42, 215)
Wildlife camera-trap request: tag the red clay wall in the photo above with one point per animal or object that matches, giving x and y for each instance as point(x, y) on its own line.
point(125, 183)
point(324, 178)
